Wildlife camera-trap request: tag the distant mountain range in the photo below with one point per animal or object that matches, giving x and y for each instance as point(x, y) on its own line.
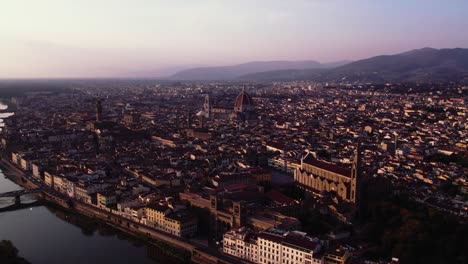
point(415, 65)
point(237, 71)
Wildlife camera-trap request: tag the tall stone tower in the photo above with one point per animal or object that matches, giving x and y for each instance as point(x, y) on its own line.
point(189, 119)
point(356, 175)
point(98, 110)
point(207, 106)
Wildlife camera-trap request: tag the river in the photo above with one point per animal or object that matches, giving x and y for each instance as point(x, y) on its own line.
point(49, 235)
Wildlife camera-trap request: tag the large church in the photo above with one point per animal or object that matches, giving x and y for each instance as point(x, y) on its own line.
point(244, 108)
point(317, 176)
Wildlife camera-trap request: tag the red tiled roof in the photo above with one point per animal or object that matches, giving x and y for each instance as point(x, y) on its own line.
point(243, 99)
point(328, 166)
point(279, 197)
point(290, 239)
point(234, 187)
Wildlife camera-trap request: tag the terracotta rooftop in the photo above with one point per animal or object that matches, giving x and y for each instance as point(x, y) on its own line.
point(290, 238)
point(327, 166)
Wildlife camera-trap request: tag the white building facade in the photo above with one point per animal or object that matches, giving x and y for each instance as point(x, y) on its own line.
point(273, 246)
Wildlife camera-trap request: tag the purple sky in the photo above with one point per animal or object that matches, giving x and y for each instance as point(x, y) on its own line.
point(123, 38)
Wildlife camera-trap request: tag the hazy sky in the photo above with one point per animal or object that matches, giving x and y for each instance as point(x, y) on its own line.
point(103, 38)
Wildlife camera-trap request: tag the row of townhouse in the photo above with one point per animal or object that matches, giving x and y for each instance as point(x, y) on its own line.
point(81, 188)
point(275, 246)
point(170, 219)
point(163, 217)
point(22, 160)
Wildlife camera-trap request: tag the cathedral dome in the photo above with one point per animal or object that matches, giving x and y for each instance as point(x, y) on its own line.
point(243, 100)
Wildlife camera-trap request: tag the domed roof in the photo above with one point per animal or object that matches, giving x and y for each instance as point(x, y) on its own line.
point(243, 99)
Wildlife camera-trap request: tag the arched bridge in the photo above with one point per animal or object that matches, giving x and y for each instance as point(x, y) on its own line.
point(19, 193)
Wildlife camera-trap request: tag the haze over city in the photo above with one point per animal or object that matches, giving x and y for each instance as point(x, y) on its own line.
point(82, 39)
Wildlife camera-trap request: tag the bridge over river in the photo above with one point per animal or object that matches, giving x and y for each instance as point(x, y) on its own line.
point(19, 193)
point(17, 205)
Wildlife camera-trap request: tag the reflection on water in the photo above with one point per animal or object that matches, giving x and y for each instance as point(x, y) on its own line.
point(7, 186)
point(25, 200)
point(42, 237)
point(4, 115)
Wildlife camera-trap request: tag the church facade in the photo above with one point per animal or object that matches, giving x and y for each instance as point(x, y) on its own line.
point(319, 176)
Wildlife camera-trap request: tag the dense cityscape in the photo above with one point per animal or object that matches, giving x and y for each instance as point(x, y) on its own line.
point(281, 172)
point(225, 132)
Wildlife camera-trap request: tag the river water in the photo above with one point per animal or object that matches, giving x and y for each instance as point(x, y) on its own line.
point(46, 235)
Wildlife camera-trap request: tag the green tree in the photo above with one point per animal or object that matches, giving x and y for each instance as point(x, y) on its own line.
point(9, 253)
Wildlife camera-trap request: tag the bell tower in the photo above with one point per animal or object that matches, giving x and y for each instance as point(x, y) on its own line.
point(356, 175)
point(98, 110)
point(207, 106)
